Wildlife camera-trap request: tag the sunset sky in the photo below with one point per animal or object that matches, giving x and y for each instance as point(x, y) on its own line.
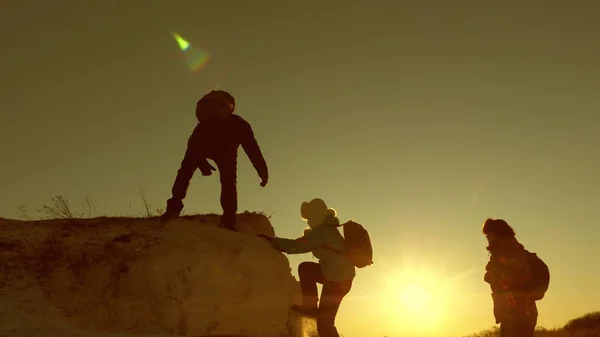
point(416, 119)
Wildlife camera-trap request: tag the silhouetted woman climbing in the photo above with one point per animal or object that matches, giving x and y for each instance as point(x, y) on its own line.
point(334, 271)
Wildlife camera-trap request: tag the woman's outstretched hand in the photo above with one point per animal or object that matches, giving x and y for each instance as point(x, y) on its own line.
point(270, 241)
point(265, 237)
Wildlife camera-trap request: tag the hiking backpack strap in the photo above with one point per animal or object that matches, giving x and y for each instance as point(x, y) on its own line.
point(331, 248)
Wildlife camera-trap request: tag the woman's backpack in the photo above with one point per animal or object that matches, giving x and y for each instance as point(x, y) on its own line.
point(540, 281)
point(358, 244)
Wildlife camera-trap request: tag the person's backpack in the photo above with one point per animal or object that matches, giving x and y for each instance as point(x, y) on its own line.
point(540, 282)
point(358, 244)
point(214, 106)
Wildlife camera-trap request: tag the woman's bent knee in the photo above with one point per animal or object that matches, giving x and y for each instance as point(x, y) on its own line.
point(307, 268)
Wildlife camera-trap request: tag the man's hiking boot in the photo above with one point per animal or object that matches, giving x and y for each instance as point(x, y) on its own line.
point(174, 207)
point(228, 221)
point(167, 216)
point(232, 228)
point(309, 311)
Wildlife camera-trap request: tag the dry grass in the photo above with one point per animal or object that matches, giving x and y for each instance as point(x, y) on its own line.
point(25, 250)
point(61, 208)
point(587, 325)
point(41, 256)
point(58, 249)
point(588, 321)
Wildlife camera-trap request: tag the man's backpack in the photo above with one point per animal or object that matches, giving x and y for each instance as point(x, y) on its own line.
point(538, 286)
point(358, 244)
point(214, 106)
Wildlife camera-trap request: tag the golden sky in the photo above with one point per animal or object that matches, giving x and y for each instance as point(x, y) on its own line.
point(417, 119)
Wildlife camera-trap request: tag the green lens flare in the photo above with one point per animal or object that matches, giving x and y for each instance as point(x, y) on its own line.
point(195, 58)
point(183, 43)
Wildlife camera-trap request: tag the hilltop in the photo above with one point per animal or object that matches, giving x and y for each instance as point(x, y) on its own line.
point(126, 276)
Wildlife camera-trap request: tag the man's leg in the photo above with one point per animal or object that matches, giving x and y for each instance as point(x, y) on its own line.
point(227, 166)
point(179, 190)
point(331, 298)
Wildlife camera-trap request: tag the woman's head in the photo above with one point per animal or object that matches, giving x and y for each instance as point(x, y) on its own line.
point(315, 212)
point(497, 229)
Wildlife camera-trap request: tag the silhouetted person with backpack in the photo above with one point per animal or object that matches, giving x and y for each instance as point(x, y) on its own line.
point(335, 270)
point(517, 279)
point(217, 136)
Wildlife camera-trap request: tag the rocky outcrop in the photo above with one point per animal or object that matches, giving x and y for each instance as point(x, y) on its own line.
point(123, 276)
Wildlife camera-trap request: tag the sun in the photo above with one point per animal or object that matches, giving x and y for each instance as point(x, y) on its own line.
point(415, 298)
point(421, 304)
point(418, 296)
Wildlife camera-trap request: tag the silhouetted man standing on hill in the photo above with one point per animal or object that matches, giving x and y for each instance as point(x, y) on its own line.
point(517, 279)
point(217, 136)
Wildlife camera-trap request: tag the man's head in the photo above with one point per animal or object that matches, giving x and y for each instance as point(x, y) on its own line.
point(215, 105)
point(497, 229)
point(223, 97)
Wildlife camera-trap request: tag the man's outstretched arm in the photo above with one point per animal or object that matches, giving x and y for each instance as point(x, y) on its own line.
point(250, 146)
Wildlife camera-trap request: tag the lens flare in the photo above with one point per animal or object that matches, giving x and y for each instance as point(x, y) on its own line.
point(183, 44)
point(195, 58)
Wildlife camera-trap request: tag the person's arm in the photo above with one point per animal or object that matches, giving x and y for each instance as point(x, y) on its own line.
point(489, 276)
point(252, 149)
point(307, 243)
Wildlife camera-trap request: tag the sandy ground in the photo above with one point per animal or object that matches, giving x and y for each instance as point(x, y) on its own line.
point(134, 277)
